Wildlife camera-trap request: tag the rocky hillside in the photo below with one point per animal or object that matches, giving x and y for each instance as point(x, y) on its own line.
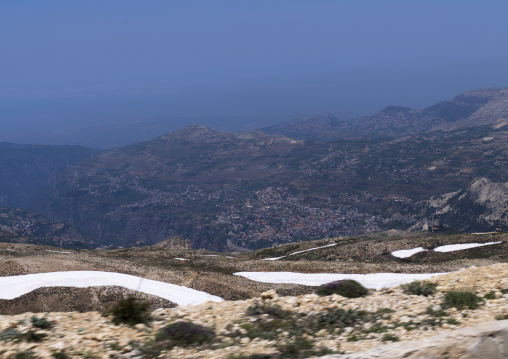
point(470, 109)
point(481, 206)
point(228, 191)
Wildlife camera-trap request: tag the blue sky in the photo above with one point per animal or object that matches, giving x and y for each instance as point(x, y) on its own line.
point(71, 64)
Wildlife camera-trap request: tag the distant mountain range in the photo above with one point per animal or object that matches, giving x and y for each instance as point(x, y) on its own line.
point(444, 166)
point(472, 108)
point(226, 190)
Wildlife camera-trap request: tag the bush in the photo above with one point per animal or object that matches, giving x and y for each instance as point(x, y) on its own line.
point(490, 295)
point(183, 333)
point(420, 288)
point(390, 338)
point(130, 311)
point(347, 288)
point(461, 299)
point(273, 310)
point(41, 323)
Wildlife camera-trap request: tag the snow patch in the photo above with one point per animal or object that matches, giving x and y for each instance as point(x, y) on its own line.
point(181, 259)
point(458, 247)
point(373, 280)
point(406, 253)
point(14, 286)
point(49, 250)
point(305, 250)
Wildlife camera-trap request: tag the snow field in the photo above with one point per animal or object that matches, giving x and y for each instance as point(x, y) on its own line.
point(14, 286)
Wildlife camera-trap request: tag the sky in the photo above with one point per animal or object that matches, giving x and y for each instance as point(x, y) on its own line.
point(71, 68)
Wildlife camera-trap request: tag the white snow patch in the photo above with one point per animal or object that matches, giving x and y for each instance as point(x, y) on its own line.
point(373, 280)
point(272, 259)
point(181, 259)
point(458, 247)
point(305, 250)
point(14, 286)
point(49, 250)
point(406, 253)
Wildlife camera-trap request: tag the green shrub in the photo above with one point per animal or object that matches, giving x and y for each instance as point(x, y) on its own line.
point(183, 333)
point(420, 288)
point(461, 299)
point(490, 295)
point(390, 338)
point(347, 288)
point(130, 311)
point(335, 317)
point(273, 310)
point(61, 355)
point(452, 321)
point(32, 336)
point(41, 323)
point(9, 334)
point(296, 347)
point(28, 354)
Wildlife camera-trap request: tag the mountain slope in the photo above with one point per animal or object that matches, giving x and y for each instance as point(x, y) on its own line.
point(25, 170)
point(481, 206)
point(235, 191)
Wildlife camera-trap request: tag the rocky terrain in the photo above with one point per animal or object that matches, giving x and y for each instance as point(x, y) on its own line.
point(270, 325)
point(227, 191)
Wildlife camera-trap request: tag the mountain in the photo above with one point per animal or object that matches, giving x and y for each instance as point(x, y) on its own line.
point(470, 109)
point(233, 191)
point(481, 206)
point(25, 170)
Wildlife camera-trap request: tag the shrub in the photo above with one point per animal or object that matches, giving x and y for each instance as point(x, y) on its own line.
point(273, 310)
point(490, 295)
point(296, 347)
point(41, 323)
point(9, 334)
point(61, 355)
point(130, 311)
point(336, 317)
point(25, 355)
point(183, 333)
point(461, 299)
point(420, 288)
point(347, 288)
point(390, 338)
point(32, 336)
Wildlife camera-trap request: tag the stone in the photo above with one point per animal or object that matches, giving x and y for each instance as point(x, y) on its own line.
point(269, 294)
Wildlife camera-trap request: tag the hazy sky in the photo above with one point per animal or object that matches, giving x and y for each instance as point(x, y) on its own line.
point(69, 64)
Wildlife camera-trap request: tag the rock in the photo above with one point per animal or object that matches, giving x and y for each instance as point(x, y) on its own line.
point(58, 346)
point(269, 294)
point(245, 340)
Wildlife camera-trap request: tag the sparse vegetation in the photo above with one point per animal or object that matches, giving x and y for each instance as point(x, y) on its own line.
point(461, 299)
point(9, 334)
point(490, 295)
point(182, 334)
point(27, 354)
point(420, 288)
point(130, 311)
point(273, 310)
point(41, 323)
point(390, 338)
point(347, 288)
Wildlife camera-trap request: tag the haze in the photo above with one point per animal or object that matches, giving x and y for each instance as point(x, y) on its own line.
point(105, 73)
